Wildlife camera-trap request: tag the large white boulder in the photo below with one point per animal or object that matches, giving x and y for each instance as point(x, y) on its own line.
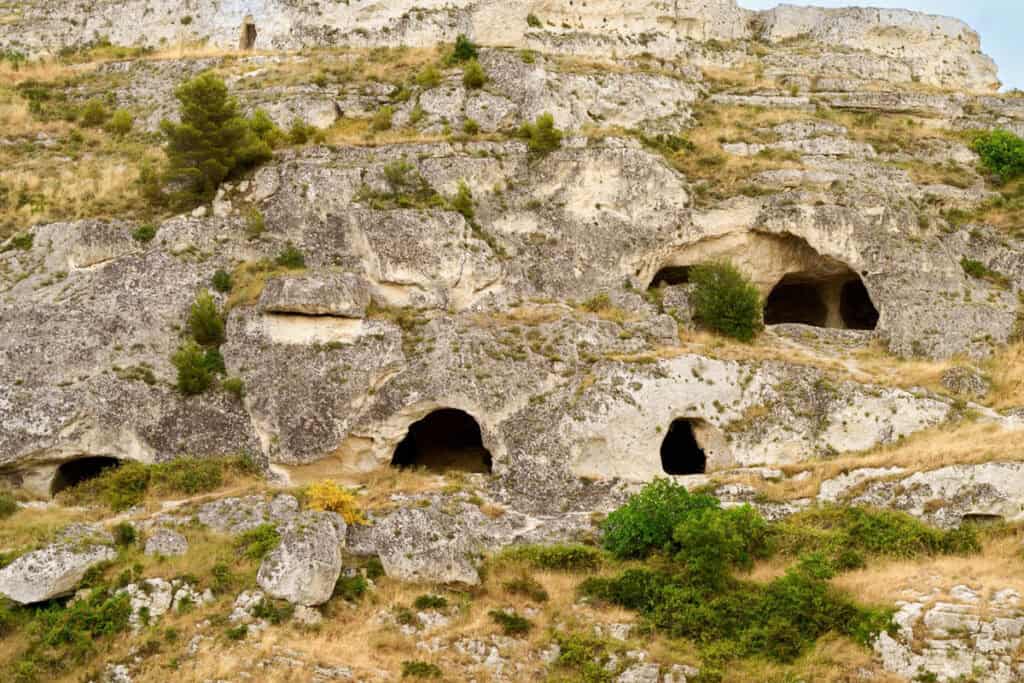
point(306, 564)
point(51, 572)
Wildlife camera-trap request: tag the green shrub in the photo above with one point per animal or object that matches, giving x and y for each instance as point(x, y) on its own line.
point(121, 123)
point(291, 258)
point(430, 602)
point(125, 534)
point(585, 655)
point(418, 669)
point(527, 587)
point(1001, 153)
point(273, 611)
point(428, 77)
point(120, 487)
point(646, 523)
point(144, 233)
point(541, 136)
point(301, 133)
point(532, 21)
point(473, 75)
point(237, 632)
point(382, 119)
point(223, 580)
point(8, 506)
point(234, 386)
point(221, 281)
point(563, 557)
point(725, 300)
point(62, 637)
point(94, 114)
point(709, 542)
point(205, 322)
point(194, 376)
point(264, 128)
point(470, 127)
point(255, 224)
point(211, 143)
point(350, 588)
point(511, 623)
point(464, 50)
point(187, 475)
point(22, 242)
point(463, 201)
point(256, 543)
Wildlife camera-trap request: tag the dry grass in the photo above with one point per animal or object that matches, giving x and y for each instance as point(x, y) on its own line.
point(29, 526)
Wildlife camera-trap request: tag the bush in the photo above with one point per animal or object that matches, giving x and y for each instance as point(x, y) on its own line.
point(211, 143)
point(237, 632)
point(205, 322)
point(274, 612)
point(428, 77)
point(194, 375)
point(473, 75)
point(541, 136)
point(470, 127)
point(328, 495)
point(725, 300)
point(223, 579)
point(527, 587)
point(264, 128)
point(463, 201)
point(646, 523)
point(8, 506)
point(187, 475)
point(430, 602)
point(710, 541)
point(144, 233)
point(256, 543)
point(255, 224)
point(1001, 152)
point(234, 386)
point(464, 50)
point(350, 588)
point(291, 258)
point(121, 123)
point(565, 557)
point(532, 21)
point(221, 281)
point(22, 242)
point(418, 669)
point(94, 114)
point(125, 534)
point(511, 623)
point(382, 119)
point(301, 133)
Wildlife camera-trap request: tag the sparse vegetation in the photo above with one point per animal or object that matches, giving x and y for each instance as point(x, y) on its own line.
point(419, 669)
point(464, 50)
point(473, 76)
point(256, 543)
point(291, 258)
point(565, 557)
point(328, 495)
point(725, 301)
point(511, 624)
point(541, 136)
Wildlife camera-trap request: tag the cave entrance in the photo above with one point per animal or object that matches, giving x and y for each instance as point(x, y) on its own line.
point(76, 471)
point(670, 276)
point(834, 301)
point(247, 39)
point(680, 451)
point(445, 440)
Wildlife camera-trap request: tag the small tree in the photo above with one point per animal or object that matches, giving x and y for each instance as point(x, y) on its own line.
point(464, 50)
point(473, 75)
point(1001, 152)
point(194, 376)
point(541, 136)
point(205, 322)
point(212, 142)
point(725, 300)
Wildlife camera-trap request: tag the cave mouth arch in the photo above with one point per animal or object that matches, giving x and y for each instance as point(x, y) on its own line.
point(670, 276)
point(834, 301)
point(681, 453)
point(446, 440)
point(74, 472)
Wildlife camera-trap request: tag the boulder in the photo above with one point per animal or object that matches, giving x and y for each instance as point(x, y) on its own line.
point(51, 572)
point(427, 545)
point(304, 567)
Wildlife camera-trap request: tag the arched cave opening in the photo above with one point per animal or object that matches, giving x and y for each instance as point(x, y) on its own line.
point(836, 301)
point(680, 451)
point(76, 471)
point(670, 276)
point(856, 308)
point(445, 440)
point(247, 39)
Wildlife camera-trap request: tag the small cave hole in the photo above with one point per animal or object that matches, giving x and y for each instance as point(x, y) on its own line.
point(856, 308)
point(247, 39)
point(670, 276)
point(445, 440)
point(795, 302)
point(680, 451)
point(76, 471)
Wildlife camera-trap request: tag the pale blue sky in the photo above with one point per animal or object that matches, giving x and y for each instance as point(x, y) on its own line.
point(999, 22)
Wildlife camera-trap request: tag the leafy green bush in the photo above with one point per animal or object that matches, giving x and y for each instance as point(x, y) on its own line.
point(418, 669)
point(301, 133)
point(725, 300)
point(464, 50)
point(94, 114)
point(256, 543)
point(205, 322)
point(121, 123)
point(527, 587)
point(541, 136)
point(193, 366)
point(290, 257)
point(470, 127)
point(211, 143)
point(511, 623)
point(382, 119)
point(350, 588)
point(22, 242)
point(585, 655)
point(463, 201)
point(187, 475)
point(430, 602)
point(711, 541)
point(563, 557)
point(144, 233)
point(646, 523)
point(125, 534)
point(273, 611)
point(1001, 152)
point(428, 77)
point(237, 632)
point(532, 21)
point(473, 75)
point(223, 580)
point(221, 281)
point(8, 506)
point(234, 386)
point(265, 129)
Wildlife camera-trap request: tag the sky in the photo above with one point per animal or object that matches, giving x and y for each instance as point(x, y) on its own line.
point(998, 21)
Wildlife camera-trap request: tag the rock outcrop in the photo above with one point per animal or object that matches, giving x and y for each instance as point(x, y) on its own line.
point(305, 565)
point(51, 572)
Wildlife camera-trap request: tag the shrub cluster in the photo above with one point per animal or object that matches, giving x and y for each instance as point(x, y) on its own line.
point(350, 588)
point(563, 557)
point(1001, 153)
point(198, 360)
point(541, 136)
point(256, 543)
point(725, 300)
point(511, 624)
point(329, 496)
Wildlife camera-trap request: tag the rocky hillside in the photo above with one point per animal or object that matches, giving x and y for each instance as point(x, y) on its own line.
point(372, 389)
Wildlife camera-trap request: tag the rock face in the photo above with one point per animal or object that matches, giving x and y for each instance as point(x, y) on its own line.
point(167, 543)
point(304, 567)
point(52, 572)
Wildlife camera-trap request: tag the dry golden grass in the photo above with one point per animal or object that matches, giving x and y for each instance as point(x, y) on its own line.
point(1006, 370)
point(29, 526)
